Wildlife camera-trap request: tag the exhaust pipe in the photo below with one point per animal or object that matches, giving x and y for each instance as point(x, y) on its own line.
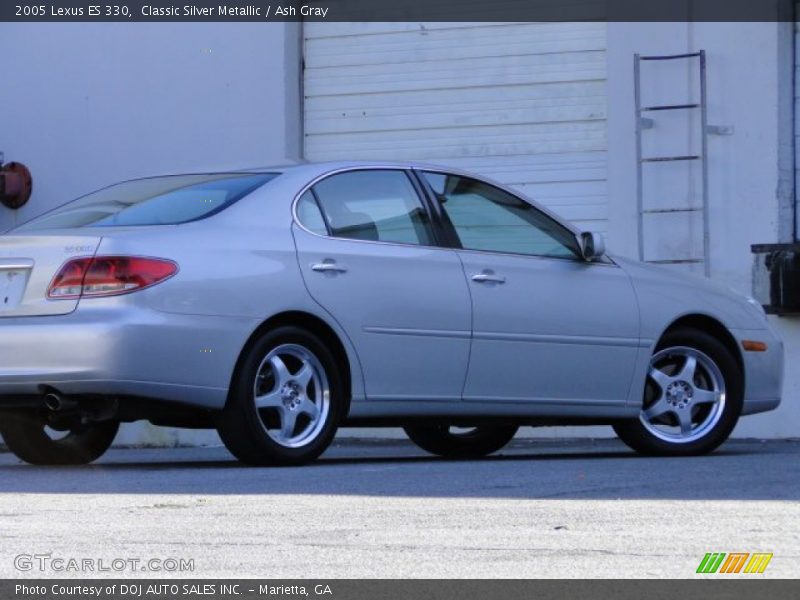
point(57, 403)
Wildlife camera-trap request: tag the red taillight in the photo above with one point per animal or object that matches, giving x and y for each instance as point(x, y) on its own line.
point(68, 282)
point(108, 276)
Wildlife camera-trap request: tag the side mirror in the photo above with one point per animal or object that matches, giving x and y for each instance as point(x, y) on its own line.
point(592, 245)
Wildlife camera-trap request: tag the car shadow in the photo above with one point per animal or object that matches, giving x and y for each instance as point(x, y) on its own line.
point(525, 470)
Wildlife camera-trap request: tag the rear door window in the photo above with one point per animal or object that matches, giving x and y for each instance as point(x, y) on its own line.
point(374, 205)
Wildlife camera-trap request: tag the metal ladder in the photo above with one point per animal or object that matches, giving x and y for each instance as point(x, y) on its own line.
point(646, 123)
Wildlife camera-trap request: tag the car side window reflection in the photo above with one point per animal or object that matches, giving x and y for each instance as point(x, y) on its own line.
point(374, 205)
point(490, 219)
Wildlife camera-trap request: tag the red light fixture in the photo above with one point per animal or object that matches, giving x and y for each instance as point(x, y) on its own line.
point(92, 277)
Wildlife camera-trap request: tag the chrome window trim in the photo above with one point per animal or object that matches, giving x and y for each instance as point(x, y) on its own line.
point(422, 169)
point(561, 259)
point(323, 176)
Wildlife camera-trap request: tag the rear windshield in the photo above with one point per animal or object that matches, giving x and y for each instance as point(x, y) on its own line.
point(153, 201)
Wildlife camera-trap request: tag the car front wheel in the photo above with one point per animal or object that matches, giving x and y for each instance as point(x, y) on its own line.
point(285, 402)
point(693, 397)
point(454, 442)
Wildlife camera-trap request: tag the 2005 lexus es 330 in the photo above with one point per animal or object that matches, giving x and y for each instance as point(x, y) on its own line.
point(278, 305)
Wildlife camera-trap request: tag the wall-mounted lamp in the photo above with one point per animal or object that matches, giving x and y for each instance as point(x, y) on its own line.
point(16, 184)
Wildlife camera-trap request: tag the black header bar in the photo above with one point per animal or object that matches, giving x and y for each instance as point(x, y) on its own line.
point(745, 587)
point(394, 10)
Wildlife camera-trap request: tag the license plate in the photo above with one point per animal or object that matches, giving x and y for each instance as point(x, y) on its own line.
point(12, 287)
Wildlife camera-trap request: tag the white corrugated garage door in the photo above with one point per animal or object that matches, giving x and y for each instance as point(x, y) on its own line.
point(797, 103)
point(524, 103)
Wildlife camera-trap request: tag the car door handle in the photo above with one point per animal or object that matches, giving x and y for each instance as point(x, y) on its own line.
point(328, 266)
point(487, 277)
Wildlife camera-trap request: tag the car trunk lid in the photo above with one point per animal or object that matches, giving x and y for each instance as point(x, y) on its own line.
point(28, 264)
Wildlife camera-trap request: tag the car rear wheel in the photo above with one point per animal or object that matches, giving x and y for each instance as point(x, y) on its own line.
point(693, 397)
point(35, 440)
point(455, 442)
point(285, 402)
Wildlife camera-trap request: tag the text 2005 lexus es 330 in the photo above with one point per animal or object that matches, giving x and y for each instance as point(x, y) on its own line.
point(278, 305)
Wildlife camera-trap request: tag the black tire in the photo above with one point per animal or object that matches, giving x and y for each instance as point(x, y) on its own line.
point(26, 437)
point(637, 436)
point(474, 443)
point(245, 430)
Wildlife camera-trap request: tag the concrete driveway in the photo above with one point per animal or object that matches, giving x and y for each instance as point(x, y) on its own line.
point(384, 509)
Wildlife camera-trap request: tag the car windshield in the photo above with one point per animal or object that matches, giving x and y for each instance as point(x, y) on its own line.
point(153, 201)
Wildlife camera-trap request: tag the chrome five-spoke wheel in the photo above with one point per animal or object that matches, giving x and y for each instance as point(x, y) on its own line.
point(686, 395)
point(693, 396)
point(286, 400)
point(291, 395)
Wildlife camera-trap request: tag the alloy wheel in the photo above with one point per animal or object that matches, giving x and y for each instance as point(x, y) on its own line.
point(291, 395)
point(684, 396)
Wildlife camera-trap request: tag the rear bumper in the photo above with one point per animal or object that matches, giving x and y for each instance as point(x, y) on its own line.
point(114, 347)
point(763, 371)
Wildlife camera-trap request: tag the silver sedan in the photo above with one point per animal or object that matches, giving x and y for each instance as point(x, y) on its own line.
point(280, 304)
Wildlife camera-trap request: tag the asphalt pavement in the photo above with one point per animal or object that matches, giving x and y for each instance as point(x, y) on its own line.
point(382, 508)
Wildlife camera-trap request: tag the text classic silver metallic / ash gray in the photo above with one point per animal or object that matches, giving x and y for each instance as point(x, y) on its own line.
point(278, 305)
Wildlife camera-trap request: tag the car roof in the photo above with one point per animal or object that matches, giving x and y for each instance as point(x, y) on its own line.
point(322, 167)
point(313, 170)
